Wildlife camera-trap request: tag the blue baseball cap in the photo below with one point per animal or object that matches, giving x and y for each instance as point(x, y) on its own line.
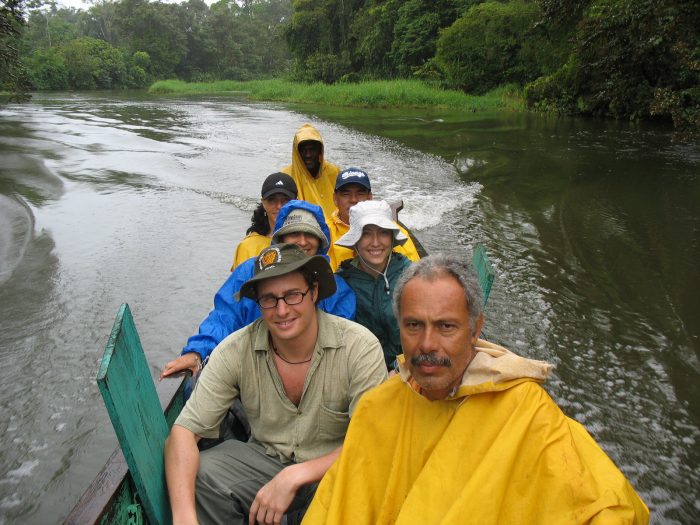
point(353, 176)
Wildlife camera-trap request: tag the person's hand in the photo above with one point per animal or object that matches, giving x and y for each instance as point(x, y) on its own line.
point(274, 498)
point(190, 361)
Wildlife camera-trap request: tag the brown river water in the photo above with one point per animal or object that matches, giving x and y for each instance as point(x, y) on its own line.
point(593, 228)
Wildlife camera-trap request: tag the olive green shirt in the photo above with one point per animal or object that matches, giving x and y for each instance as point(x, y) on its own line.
point(347, 361)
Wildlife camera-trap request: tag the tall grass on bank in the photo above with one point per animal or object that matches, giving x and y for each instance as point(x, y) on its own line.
point(380, 93)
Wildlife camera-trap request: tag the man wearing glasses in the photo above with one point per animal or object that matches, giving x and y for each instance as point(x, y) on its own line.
point(298, 222)
point(298, 373)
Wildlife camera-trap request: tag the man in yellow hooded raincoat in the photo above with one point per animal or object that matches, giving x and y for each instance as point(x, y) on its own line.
point(353, 186)
point(313, 175)
point(464, 434)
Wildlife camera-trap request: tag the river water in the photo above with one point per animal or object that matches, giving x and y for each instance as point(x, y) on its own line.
point(593, 228)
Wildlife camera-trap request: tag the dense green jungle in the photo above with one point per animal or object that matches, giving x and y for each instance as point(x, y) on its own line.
point(628, 59)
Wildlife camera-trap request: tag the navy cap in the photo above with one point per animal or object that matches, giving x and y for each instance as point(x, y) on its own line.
point(353, 176)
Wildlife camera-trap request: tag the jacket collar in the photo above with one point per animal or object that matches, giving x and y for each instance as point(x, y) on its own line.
point(328, 335)
point(493, 369)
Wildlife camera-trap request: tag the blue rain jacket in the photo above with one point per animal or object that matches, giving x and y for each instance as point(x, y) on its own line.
point(230, 315)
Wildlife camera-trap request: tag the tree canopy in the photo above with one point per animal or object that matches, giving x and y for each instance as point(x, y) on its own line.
point(618, 58)
point(131, 43)
point(13, 77)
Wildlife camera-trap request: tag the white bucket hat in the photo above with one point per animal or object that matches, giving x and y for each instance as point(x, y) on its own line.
point(376, 213)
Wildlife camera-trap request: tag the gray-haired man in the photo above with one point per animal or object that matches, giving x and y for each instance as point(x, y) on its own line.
point(464, 434)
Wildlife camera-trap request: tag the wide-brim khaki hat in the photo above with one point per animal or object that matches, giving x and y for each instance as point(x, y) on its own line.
point(365, 213)
point(280, 259)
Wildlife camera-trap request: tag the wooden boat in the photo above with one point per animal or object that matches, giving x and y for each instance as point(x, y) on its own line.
point(130, 488)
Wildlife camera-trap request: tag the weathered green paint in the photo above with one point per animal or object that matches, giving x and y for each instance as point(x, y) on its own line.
point(117, 512)
point(134, 515)
point(484, 271)
point(130, 396)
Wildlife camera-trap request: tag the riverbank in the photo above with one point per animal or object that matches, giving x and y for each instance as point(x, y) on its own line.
point(371, 94)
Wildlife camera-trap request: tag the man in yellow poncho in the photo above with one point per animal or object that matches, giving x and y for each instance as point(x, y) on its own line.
point(464, 434)
point(314, 176)
point(353, 186)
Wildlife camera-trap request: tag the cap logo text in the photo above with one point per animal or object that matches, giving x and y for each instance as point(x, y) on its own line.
point(294, 218)
point(357, 174)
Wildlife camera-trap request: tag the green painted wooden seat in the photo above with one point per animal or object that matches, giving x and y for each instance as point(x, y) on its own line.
point(484, 271)
point(130, 396)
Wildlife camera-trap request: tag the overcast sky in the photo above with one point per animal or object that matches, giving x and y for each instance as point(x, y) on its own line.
point(78, 4)
point(85, 4)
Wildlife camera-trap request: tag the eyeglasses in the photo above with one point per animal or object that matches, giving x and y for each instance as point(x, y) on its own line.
point(291, 298)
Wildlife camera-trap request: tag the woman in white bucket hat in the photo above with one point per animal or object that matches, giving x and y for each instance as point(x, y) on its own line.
point(374, 270)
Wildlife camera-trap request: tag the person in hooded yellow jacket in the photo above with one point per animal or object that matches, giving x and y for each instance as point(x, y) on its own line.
point(313, 175)
point(464, 434)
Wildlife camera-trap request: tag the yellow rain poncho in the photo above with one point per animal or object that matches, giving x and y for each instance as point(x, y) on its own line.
point(317, 190)
point(498, 451)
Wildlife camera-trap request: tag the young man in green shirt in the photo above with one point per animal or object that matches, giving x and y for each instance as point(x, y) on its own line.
point(298, 373)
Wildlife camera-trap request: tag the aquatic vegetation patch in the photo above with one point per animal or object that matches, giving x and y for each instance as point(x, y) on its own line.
point(380, 93)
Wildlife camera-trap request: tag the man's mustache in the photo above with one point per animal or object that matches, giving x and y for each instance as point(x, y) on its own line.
point(431, 359)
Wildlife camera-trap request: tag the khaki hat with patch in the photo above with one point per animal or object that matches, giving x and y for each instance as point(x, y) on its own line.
point(281, 259)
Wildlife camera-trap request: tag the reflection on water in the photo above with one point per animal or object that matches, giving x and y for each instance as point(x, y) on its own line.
point(593, 229)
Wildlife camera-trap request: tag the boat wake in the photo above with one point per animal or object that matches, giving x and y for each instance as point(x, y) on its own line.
point(16, 229)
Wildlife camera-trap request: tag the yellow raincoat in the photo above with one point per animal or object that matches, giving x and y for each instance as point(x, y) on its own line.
point(317, 190)
point(498, 451)
point(251, 246)
point(340, 253)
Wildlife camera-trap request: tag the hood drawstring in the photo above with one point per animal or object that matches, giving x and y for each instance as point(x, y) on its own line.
point(387, 288)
